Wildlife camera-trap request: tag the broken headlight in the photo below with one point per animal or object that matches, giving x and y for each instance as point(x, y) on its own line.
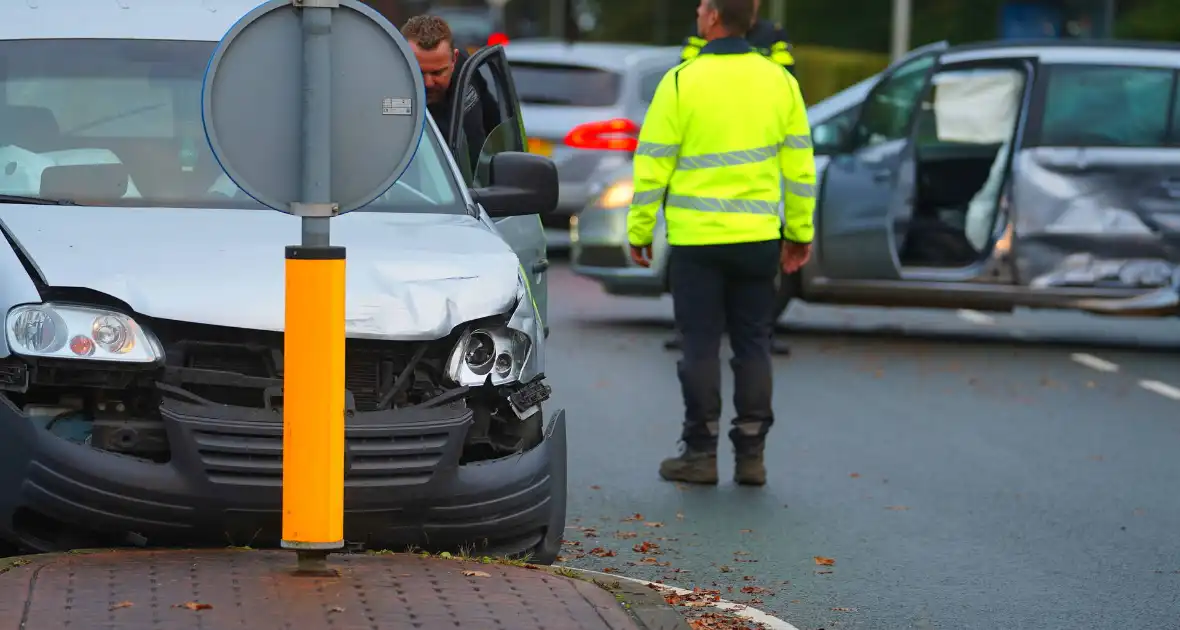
point(79, 332)
point(489, 352)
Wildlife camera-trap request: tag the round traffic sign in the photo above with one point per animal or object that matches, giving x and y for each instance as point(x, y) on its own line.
point(253, 99)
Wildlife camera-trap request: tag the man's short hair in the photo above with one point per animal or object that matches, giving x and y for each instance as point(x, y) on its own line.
point(428, 31)
point(736, 15)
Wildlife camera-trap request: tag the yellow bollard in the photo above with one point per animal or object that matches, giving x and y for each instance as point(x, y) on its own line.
point(313, 402)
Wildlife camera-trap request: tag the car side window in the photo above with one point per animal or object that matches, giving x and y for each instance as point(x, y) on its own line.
point(886, 113)
point(1106, 106)
point(487, 74)
point(970, 107)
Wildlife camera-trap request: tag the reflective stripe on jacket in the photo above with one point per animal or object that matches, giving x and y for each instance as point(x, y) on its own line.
point(724, 143)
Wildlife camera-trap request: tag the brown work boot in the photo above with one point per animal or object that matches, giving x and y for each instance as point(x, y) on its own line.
point(749, 469)
point(691, 466)
point(749, 465)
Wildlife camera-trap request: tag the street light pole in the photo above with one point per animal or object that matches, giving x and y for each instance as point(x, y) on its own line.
point(900, 41)
point(778, 11)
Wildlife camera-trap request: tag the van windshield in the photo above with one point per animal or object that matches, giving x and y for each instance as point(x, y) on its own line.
point(138, 103)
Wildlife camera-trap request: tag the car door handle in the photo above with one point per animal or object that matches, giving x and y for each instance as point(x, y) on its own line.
point(541, 265)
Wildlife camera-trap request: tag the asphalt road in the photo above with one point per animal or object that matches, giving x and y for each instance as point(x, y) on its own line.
point(960, 470)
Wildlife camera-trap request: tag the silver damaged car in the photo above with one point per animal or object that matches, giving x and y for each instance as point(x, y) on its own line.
point(142, 358)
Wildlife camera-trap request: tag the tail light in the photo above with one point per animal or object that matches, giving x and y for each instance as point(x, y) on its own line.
point(497, 38)
point(617, 134)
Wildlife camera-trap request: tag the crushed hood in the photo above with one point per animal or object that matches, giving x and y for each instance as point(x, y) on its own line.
point(410, 276)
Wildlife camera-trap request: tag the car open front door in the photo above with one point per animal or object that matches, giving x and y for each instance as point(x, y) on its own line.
point(486, 74)
point(858, 199)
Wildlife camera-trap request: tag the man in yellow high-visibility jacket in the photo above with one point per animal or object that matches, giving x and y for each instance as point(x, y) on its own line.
point(724, 143)
point(771, 40)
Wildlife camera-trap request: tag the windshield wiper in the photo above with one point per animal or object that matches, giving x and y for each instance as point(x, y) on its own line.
point(40, 201)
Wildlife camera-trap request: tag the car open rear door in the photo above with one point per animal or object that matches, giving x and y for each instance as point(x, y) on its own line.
point(860, 188)
point(487, 74)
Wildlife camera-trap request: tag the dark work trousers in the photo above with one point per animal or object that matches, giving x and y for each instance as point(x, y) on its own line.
point(716, 290)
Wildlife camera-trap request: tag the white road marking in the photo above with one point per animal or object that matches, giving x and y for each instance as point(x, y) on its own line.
point(975, 317)
point(741, 610)
point(1093, 362)
point(1163, 389)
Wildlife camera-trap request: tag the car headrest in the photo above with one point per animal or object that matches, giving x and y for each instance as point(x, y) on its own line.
point(86, 181)
point(28, 127)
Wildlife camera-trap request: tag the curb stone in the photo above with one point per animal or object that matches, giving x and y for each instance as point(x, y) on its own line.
point(646, 606)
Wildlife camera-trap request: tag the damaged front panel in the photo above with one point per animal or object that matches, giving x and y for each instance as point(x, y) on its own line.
point(1101, 218)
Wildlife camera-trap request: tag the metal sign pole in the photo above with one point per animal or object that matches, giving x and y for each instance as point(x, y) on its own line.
point(314, 139)
point(313, 396)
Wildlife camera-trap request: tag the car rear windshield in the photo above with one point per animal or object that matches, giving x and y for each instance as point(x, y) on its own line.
point(559, 84)
point(1108, 106)
point(137, 103)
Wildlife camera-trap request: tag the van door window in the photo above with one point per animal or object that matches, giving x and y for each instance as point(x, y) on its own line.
point(1106, 106)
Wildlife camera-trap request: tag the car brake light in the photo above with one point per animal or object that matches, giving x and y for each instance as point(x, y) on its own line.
point(617, 134)
point(497, 38)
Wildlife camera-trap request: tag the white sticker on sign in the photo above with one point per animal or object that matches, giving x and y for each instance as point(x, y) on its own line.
point(395, 107)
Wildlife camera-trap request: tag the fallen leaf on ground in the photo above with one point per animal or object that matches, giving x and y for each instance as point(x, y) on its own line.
point(724, 569)
point(654, 524)
point(652, 561)
point(609, 570)
point(746, 531)
point(645, 547)
point(896, 508)
point(854, 475)
point(741, 553)
point(823, 572)
point(476, 574)
point(634, 517)
point(680, 516)
point(121, 605)
point(596, 487)
point(843, 609)
point(195, 606)
point(748, 578)
point(626, 535)
point(751, 590)
point(602, 553)
point(336, 609)
point(824, 562)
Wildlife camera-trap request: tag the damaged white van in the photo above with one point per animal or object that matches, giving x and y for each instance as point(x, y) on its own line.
point(142, 357)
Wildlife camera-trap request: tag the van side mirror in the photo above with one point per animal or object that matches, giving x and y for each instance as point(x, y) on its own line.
point(520, 184)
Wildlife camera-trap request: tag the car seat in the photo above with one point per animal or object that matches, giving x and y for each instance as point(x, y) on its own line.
point(31, 128)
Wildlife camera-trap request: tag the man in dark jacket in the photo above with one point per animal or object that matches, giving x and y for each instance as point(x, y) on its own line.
point(433, 45)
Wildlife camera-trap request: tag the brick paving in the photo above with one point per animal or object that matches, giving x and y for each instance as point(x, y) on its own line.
point(256, 590)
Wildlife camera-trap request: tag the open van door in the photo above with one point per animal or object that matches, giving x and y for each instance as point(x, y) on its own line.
point(858, 195)
point(486, 73)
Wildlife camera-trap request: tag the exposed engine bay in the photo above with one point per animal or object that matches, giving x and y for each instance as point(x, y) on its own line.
point(117, 407)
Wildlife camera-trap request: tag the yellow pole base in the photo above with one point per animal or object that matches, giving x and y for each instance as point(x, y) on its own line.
point(313, 400)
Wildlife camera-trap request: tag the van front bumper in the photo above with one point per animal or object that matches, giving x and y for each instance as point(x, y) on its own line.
point(404, 485)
